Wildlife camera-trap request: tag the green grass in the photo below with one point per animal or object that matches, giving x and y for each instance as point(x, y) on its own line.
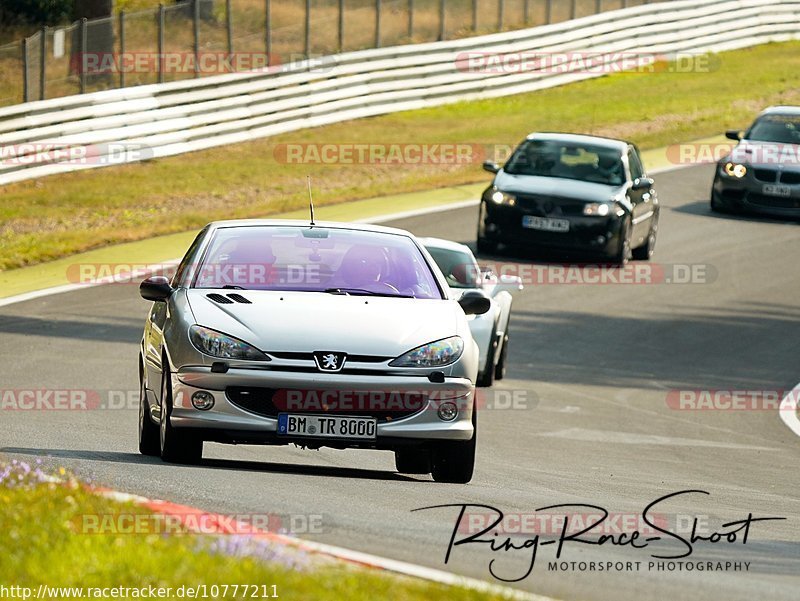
point(44, 542)
point(58, 216)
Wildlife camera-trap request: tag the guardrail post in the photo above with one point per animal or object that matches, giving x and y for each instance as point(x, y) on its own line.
point(377, 23)
point(268, 30)
point(307, 31)
point(573, 8)
point(42, 59)
point(474, 15)
point(442, 10)
point(82, 65)
point(196, 26)
point(624, 3)
point(121, 47)
point(526, 11)
point(500, 10)
point(161, 44)
point(229, 30)
point(341, 25)
point(24, 51)
point(548, 12)
point(410, 19)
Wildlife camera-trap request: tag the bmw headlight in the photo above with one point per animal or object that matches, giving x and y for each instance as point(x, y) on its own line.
point(597, 209)
point(217, 344)
point(434, 354)
point(736, 170)
point(501, 198)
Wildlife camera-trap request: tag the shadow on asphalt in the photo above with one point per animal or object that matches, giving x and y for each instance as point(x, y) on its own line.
point(216, 464)
point(120, 330)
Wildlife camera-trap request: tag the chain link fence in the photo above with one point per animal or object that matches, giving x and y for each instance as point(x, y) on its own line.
point(196, 38)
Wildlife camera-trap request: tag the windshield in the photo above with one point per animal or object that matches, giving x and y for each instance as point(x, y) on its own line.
point(459, 268)
point(782, 129)
point(338, 261)
point(552, 158)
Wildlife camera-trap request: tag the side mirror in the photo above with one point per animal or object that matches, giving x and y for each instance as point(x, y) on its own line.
point(643, 183)
point(733, 134)
point(474, 302)
point(491, 166)
point(155, 288)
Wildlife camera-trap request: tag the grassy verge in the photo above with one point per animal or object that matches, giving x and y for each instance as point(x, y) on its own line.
point(59, 216)
point(45, 542)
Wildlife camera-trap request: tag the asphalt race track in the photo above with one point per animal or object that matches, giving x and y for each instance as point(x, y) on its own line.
point(593, 366)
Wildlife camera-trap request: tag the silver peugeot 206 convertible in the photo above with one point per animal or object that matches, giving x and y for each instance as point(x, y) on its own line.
point(321, 335)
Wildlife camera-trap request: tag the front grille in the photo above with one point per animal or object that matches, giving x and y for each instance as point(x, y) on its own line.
point(766, 175)
point(293, 356)
point(549, 206)
point(790, 177)
point(775, 202)
point(385, 406)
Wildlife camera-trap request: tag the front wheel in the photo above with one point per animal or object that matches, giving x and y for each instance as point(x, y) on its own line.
point(454, 461)
point(148, 432)
point(486, 376)
point(646, 250)
point(176, 446)
point(623, 254)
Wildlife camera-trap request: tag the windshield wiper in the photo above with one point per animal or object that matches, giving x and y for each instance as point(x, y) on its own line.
point(363, 292)
point(233, 287)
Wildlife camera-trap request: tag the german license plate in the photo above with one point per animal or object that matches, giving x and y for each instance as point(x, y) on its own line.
point(777, 190)
point(547, 224)
point(327, 426)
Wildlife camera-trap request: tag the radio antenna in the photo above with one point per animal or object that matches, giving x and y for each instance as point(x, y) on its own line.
point(310, 199)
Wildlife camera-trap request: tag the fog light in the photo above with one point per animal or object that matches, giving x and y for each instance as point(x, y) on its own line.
point(202, 400)
point(448, 412)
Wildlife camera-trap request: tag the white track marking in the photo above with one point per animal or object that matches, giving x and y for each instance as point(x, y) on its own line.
point(788, 410)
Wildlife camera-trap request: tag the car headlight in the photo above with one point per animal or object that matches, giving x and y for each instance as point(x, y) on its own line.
point(599, 209)
point(735, 170)
point(434, 354)
point(217, 344)
point(502, 198)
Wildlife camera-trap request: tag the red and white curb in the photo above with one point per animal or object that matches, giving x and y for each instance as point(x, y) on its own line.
point(191, 516)
point(788, 410)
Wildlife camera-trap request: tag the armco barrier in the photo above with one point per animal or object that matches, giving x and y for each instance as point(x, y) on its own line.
point(183, 116)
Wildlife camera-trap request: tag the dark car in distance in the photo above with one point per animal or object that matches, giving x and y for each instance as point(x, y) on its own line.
point(574, 194)
point(761, 174)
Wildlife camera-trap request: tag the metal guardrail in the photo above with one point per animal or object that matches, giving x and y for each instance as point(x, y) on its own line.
point(137, 123)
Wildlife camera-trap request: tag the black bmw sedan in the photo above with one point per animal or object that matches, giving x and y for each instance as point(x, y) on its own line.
point(574, 194)
point(761, 174)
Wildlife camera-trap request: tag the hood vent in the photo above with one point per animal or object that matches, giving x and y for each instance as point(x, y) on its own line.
point(218, 298)
point(239, 299)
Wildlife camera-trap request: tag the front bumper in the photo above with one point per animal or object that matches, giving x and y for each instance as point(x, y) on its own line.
point(228, 422)
point(592, 235)
point(747, 194)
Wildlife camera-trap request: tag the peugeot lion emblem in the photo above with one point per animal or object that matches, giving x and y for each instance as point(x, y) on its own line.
point(329, 360)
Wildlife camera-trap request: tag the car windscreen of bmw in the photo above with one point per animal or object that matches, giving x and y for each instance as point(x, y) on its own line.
point(459, 269)
point(781, 129)
point(552, 158)
point(315, 259)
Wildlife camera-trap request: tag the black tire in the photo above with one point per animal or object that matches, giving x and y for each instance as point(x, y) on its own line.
point(486, 246)
point(714, 204)
point(149, 443)
point(624, 252)
point(646, 250)
point(500, 368)
point(412, 461)
point(176, 446)
point(486, 375)
point(454, 461)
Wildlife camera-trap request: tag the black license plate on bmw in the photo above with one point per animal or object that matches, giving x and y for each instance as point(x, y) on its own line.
point(327, 426)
